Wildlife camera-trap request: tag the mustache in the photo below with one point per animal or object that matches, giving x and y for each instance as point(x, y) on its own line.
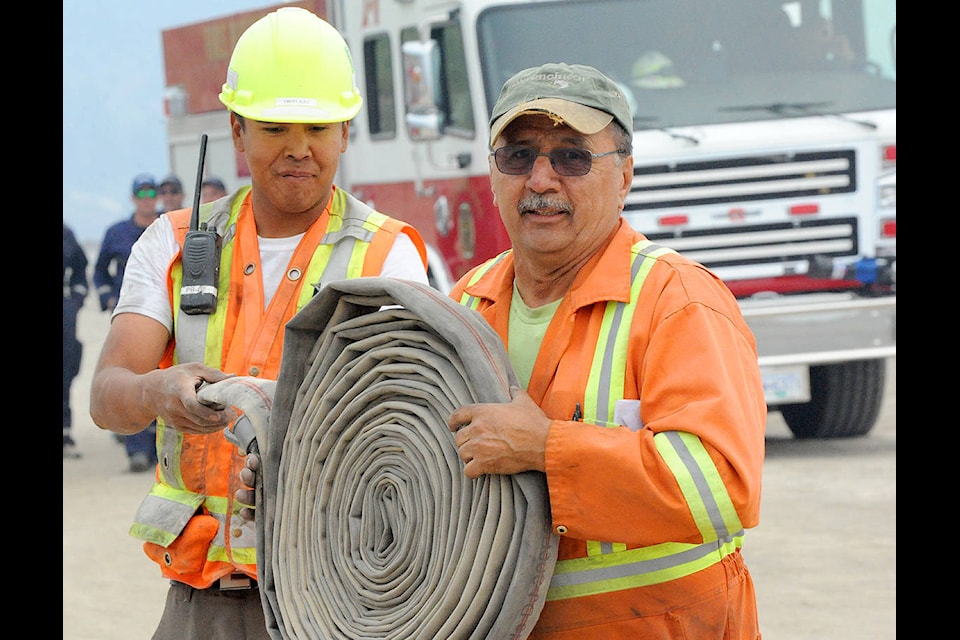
point(538, 201)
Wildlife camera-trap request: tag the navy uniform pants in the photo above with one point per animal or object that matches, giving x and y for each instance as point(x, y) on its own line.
point(72, 353)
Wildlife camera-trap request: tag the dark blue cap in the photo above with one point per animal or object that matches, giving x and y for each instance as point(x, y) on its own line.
point(211, 181)
point(144, 181)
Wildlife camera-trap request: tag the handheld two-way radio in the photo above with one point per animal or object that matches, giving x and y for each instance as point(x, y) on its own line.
point(201, 256)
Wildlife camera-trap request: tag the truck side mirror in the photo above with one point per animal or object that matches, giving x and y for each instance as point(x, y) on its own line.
point(421, 79)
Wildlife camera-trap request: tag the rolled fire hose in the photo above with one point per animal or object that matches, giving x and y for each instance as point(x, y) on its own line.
point(367, 526)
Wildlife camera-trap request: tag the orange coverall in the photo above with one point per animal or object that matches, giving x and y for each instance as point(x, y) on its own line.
point(691, 361)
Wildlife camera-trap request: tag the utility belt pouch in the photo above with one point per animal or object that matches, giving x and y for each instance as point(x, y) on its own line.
point(187, 554)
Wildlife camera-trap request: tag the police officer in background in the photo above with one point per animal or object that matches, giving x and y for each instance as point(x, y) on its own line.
point(108, 273)
point(75, 287)
point(170, 194)
point(211, 189)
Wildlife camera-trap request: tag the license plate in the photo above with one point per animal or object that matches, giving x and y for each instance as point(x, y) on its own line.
point(786, 384)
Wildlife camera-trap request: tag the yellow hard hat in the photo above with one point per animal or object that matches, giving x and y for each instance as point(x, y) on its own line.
point(291, 66)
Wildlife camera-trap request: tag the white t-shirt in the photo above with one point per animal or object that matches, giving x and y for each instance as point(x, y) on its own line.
point(144, 289)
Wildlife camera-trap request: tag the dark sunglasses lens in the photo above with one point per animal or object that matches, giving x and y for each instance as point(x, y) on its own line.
point(515, 161)
point(518, 161)
point(146, 193)
point(571, 162)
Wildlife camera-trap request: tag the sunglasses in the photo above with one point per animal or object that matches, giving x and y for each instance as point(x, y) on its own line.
point(169, 192)
point(146, 193)
point(517, 160)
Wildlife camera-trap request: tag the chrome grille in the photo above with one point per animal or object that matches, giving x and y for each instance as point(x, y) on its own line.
point(741, 180)
point(737, 181)
point(765, 243)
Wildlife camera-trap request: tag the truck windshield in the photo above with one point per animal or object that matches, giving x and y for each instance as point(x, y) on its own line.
point(696, 62)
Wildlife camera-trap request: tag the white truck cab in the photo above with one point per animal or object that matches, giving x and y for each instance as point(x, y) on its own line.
point(764, 147)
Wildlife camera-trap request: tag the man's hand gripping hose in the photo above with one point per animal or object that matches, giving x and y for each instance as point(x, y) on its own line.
point(254, 398)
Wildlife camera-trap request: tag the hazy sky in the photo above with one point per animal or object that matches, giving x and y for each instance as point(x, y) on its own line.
point(113, 89)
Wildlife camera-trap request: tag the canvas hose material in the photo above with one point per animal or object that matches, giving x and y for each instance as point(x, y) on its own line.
point(367, 526)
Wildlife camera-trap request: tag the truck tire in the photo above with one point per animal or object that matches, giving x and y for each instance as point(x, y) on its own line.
point(845, 400)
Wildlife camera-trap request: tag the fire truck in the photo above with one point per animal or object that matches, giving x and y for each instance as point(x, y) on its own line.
point(764, 147)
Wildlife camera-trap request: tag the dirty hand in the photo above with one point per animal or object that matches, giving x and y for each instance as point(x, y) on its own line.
point(247, 497)
point(175, 391)
point(498, 438)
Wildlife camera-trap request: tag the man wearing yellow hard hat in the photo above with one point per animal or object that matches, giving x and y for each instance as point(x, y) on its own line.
point(291, 93)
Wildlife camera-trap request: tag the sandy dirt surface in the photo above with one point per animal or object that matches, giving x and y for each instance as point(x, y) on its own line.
point(823, 557)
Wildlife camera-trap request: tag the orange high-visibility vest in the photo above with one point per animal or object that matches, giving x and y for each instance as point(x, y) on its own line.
point(650, 508)
point(189, 521)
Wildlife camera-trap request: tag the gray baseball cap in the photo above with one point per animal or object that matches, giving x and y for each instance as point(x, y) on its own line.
point(579, 95)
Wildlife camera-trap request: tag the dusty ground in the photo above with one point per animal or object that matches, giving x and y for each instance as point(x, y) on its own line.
point(823, 558)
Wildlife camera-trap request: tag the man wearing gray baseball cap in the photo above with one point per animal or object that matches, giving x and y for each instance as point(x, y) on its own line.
point(579, 95)
point(642, 401)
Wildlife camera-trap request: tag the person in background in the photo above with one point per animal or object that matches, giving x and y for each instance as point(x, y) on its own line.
point(817, 45)
point(75, 287)
point(108, 276)
point(170, 194)
point(654, 70)
point(291, 95)
point(211, 189)
point(653, 456)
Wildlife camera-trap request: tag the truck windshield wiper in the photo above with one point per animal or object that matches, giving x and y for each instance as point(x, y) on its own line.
point(804, 108)
point(640, 122)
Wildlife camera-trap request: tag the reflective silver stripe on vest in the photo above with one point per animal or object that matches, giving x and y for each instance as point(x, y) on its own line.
point(695, 472)
point(163, 514)
point(644, 566)
point(171, 442)
point(343, 240)
point(191, 330)
point(472, 301)
point(242, 535)
point(161, 518)
point(611, 367)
